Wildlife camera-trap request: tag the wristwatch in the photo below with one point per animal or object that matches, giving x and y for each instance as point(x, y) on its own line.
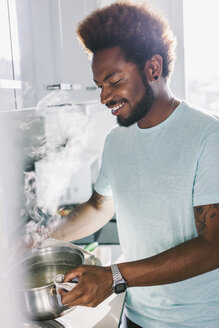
point(119, 283)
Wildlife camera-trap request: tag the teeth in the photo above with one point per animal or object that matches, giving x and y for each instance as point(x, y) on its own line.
point(117, 107)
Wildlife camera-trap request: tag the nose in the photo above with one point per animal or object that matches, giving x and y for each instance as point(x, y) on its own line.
point(106, 95)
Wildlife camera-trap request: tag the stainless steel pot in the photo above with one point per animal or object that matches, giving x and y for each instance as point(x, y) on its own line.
point(39, 296)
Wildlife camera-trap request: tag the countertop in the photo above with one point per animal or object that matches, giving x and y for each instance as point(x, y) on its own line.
point(105, 315)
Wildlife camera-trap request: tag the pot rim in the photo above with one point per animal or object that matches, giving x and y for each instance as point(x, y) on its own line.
point(37, 288)
point(49, 248)
point(38, 251)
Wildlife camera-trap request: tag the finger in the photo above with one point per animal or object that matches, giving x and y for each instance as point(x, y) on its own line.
point(80, 300)
point(62, 292)
point(70, 298)
point(77, 272)
point(86, 300)
point(71, 275)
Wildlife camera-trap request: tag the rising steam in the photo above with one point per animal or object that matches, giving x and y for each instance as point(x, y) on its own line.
point(59, 154)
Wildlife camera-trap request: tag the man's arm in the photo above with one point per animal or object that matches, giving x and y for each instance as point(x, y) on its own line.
point(184, 261)
point(85, 219)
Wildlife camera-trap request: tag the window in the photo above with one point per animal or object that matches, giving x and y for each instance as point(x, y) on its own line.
point(201, 26)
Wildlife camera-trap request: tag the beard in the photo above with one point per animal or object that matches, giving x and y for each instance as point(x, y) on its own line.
point(141, 108)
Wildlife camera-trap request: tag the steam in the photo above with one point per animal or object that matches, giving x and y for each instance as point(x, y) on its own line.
point(61, 161)
point(56, 98)
point(26, 125)
point(59, 155)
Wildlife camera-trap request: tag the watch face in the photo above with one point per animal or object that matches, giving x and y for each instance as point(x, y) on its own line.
point(120, 288)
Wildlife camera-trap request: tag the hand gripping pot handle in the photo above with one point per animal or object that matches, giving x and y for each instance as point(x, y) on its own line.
point(68, 286)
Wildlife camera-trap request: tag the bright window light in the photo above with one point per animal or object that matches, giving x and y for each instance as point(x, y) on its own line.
point(201, 27)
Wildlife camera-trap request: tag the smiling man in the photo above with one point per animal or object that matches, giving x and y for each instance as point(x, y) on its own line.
point(132, 97)
point(159, 173)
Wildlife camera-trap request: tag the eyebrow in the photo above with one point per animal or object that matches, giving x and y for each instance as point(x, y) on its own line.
point(108, 76)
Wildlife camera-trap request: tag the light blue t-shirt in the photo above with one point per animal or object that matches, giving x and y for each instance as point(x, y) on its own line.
point(156, 176)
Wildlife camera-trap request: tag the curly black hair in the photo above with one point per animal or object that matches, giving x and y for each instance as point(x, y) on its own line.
point(137, 29)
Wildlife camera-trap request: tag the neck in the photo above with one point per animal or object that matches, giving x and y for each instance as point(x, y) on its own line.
point(163, 106)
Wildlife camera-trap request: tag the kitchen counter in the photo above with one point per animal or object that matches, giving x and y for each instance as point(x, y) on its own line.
point(107, 314)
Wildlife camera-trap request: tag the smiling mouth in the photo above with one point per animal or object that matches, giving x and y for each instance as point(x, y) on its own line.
point(116, 109)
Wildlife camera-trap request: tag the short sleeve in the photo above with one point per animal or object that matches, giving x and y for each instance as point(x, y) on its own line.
point(206, 187)
point(102, 185)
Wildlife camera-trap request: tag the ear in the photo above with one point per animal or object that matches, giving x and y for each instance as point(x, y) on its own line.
point(153, 68)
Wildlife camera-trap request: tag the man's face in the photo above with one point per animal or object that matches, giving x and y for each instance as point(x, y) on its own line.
point(123, 89)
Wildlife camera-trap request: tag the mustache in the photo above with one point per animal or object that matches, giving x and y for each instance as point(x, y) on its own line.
point(115, 102)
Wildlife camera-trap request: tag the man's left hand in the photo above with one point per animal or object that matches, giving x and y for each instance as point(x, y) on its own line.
point(94, 286)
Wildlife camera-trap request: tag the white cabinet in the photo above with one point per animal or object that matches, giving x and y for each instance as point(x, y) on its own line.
point(41, 34)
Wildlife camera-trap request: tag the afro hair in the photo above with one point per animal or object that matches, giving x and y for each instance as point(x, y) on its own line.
point(137, 29)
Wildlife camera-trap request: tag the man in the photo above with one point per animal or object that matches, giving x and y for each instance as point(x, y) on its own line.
point(159, 173)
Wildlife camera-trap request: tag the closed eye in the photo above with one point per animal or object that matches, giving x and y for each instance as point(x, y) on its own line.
point(112, 84)
point(116, 82)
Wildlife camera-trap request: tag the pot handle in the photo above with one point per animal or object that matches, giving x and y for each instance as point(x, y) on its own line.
point(53, 290)
point(90, 258)
point(59, 284)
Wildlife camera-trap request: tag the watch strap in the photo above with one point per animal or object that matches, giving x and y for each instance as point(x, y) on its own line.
point(116, 273)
